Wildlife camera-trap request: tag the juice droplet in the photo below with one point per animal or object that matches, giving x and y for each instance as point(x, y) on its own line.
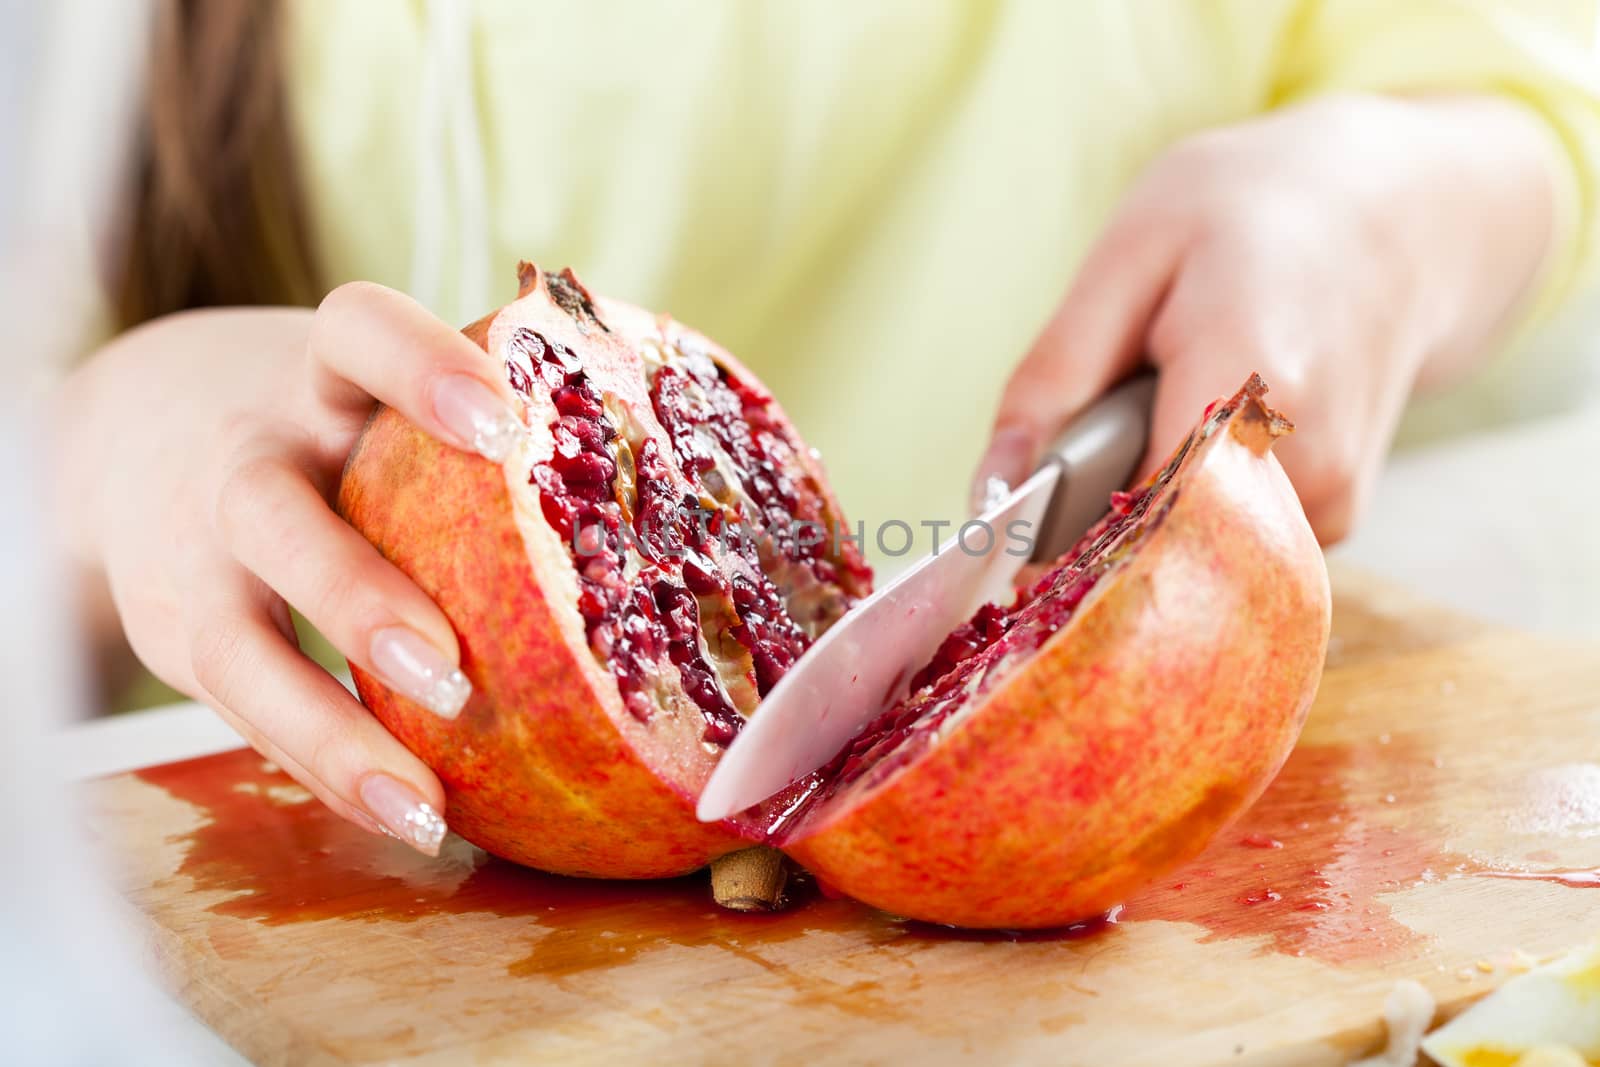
point(1260, 841)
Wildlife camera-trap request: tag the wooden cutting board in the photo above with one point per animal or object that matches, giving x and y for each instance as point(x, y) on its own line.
point(1441, 812)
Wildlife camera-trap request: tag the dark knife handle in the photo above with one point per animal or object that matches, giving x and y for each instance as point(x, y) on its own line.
point(1097, 454)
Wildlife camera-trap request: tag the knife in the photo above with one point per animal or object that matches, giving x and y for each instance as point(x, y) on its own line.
point(863, 663)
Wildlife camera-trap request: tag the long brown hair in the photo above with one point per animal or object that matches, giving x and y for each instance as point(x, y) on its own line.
point(218, 216)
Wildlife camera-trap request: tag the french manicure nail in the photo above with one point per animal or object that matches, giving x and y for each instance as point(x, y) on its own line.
point(409, 663)
point(474, 413)
point(1003, 467)
point(404, 813)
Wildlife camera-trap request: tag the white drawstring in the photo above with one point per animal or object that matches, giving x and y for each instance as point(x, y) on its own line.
point(447, 129)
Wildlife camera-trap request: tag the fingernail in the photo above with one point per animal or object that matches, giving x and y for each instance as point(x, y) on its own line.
point(410, 664)
point(1003, 467)
point(404, 813)
point(474, 413)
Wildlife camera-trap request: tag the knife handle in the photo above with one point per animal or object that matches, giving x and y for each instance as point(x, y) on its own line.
point(1096, 455)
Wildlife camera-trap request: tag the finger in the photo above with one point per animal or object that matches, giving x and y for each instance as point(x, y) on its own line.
point(1337, 460)
point(278, 525)
point(1094, 339)
point(286, 763)
point(1332, 520)
point(305, 719)
point(371, 342)
point(1336, 502)
point(182, 678)
point(1205, 342)
point(1182, 398)
point(1184, 389)
point(1328, 470)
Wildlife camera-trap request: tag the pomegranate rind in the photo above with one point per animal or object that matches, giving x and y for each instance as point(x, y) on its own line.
point(1148, 723)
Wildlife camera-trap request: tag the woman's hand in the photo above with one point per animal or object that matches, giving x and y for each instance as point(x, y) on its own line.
point(1348, 249)
point(198, 457)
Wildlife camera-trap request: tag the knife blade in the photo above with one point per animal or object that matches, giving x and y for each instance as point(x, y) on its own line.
point(865, 661)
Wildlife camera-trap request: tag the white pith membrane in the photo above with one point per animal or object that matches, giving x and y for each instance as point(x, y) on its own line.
point(953, 688)
point(620, 351)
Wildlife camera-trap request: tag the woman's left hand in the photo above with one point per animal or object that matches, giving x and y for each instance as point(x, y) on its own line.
point(195, 462)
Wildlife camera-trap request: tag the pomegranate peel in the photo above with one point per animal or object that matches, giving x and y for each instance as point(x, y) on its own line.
point(1128, 707)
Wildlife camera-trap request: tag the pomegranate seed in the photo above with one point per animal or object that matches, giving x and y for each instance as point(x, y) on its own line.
point(561, 356)
point(585, 469)
point(519, 378)
point(638, 706)
point(528, 343)
point(578, 402)
point(719, 732)
point(550, 376)
point(699, 576)
point(590, 435)
point(591, 604)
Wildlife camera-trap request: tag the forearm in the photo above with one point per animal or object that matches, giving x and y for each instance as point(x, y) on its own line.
point(77, 428)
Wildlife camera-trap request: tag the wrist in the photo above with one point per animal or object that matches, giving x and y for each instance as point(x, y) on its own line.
point(74, 428)
point(1484, 200)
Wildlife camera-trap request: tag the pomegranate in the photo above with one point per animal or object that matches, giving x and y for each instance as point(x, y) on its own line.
point(1058, 754)
point(663, 547)
point(625, 587)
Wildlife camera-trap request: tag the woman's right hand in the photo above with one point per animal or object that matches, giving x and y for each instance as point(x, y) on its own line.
point(196, 459)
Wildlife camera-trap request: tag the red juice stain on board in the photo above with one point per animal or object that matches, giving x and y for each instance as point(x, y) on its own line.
point(297, 862)
point(285, 858)
point(282, 858)
point(1304, 868)
point(1306, 865)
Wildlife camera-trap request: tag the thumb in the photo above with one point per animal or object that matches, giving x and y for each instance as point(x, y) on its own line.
point(1094, 339)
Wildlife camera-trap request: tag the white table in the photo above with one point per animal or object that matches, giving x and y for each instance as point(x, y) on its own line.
point(1506, 526)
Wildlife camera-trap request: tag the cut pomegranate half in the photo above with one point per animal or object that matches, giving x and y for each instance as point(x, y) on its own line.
point(1148, 684)
point(653, 559)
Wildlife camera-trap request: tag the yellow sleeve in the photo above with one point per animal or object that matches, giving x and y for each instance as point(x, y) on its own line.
point(1540, 53)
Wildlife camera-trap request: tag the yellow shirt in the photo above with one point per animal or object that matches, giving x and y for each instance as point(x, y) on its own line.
point(875, 203)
